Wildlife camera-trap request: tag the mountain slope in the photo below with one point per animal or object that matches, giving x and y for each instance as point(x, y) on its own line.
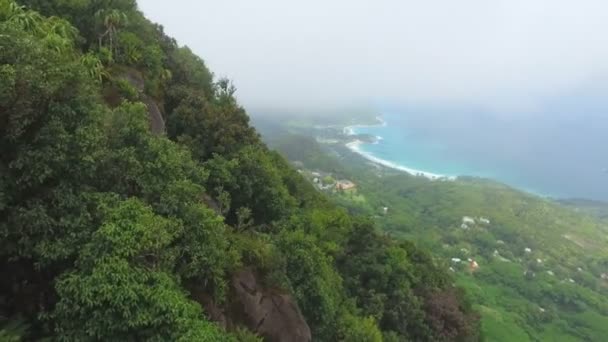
point(116, 228)
point(542, 267)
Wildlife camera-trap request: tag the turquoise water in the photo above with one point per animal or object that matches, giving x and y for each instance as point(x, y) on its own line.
point(556, 155)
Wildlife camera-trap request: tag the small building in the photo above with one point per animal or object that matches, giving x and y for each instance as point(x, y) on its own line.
point(316, 174)
point(468, 220)
point(550, 273)
point(456, 260)
point(315, 180)
point(473, 266)
point(527, 250)
point(385, 210)
point(484, 220)
point(464, 226)
point(604, 276)
point(345, 185)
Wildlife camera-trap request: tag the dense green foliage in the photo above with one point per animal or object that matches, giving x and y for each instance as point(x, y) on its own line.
point(543, 268)
point(108, 229)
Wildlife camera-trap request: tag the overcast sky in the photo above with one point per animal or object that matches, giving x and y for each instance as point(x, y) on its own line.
point(498, 53)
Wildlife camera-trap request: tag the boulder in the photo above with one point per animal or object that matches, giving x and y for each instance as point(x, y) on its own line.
point(274, 316)
point(136, 79)
point(157, 123)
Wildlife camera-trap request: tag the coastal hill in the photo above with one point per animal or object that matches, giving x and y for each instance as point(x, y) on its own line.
point(535, 268)
point(138, 203)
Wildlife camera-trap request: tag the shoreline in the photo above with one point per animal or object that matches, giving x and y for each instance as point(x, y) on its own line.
point(350, 129)
point(355, 146)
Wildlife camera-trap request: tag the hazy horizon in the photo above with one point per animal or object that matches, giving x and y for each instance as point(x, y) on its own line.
point(525, 80)
point(505, 56)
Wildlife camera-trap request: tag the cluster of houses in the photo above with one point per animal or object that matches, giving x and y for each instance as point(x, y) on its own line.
point(325, 181)
point(468, 222)
point(472, 264)
point(345, 184)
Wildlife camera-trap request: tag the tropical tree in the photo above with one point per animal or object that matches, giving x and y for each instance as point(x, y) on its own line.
point(61, 28)
point(111, 20)
point(8, 9)
point(56, 33)
point(11, 12)
point(94, 66)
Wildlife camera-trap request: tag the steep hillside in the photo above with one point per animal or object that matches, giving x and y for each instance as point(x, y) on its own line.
point(137, 203)
point(541, 269)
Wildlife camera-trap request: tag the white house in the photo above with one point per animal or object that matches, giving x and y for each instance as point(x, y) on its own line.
point(527, 250)
point(456, 260)
point(468, 220)
point(484, 220)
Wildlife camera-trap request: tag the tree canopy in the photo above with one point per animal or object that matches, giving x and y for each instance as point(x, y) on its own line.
point(110, 231)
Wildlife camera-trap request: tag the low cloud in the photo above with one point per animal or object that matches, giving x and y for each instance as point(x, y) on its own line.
point(500, 54)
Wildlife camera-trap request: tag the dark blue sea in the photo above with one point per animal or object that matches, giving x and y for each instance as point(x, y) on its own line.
point(560, 151)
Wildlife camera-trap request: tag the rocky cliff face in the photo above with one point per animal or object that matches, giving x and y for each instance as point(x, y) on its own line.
point(136, 79)
point(272, 315)
point(157, 124)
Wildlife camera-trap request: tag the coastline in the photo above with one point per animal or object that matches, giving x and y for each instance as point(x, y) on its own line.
point(355, 146)
point(350, 130)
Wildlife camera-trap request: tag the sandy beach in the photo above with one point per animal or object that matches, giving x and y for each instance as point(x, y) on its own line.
point(355, 146)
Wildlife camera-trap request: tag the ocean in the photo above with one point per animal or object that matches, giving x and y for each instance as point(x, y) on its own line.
point(557, 155)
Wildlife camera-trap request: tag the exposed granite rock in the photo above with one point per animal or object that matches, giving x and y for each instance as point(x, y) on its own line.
point(157, 123)
point(136, 79)
point(272, 315)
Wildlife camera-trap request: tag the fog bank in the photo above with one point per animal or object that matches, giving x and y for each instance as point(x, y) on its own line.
point(505, 55)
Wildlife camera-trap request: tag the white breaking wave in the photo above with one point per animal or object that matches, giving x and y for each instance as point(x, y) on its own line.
point(355, 146)
point(350, 130)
